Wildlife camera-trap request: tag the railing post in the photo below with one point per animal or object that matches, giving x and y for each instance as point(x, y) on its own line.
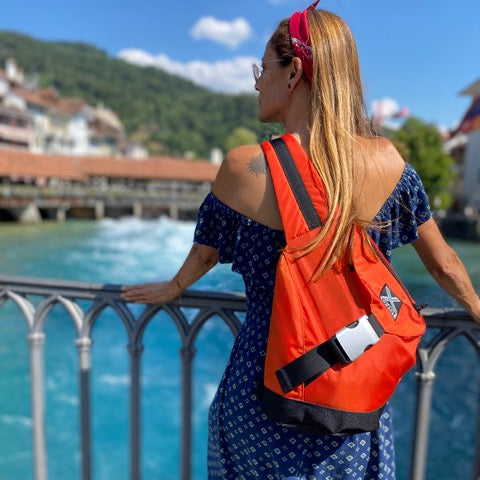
point(84, 346)
point(476, 465)
point(135, 351)
point(422, 422)
point(37, 340)
point(187, 354)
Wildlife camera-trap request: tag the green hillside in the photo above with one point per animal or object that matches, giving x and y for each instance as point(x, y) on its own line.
point(167, 113)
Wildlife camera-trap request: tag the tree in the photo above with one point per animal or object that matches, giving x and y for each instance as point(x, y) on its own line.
point(240, 136)
point(421, 145)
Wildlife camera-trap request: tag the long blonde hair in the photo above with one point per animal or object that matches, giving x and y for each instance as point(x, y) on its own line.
point(338, 116)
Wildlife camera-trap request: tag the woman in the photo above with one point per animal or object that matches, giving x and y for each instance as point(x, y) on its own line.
point(310, 82)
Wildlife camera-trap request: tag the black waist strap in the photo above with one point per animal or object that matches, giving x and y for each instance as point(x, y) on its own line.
point(319, 359)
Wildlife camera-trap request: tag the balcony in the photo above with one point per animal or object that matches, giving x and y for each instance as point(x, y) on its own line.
point(15, 134)
point(83, 303)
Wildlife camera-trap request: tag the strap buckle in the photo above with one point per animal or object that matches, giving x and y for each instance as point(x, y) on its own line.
point(344, 347)
point(356, 337)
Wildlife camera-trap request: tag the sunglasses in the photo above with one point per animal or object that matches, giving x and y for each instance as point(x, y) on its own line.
point(257, 70)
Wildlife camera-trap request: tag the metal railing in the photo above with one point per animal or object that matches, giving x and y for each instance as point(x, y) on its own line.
point(229, 307)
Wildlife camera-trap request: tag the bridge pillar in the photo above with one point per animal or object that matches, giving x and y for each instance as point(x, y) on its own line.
point(99, 210)
point(137, 209)
point(60, 215)
point(31, 214)
point(173, 211)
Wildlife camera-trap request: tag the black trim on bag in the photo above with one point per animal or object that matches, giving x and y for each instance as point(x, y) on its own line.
point(297, 186)
point(316, 419)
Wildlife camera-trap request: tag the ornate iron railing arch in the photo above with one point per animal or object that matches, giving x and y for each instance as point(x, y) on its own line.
point(206, 305)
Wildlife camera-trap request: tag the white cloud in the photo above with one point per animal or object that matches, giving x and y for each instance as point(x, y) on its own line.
point(386, 107)
point(387, 112)
point(137, 56)
point(229, 76)
point(231, 33)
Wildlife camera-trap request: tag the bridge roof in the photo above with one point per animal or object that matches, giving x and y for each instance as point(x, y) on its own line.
point(15, 162)
point(153, 167)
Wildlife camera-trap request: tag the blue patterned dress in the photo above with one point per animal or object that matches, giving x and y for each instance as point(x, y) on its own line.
point(243, 442)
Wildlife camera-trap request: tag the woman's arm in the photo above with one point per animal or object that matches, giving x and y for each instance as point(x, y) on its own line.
point(198, 262)
point(445, 266)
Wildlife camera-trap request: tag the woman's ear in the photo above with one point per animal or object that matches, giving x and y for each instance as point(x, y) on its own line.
point(296, 73)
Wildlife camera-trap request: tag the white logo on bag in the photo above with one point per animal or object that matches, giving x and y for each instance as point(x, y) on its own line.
point(391, 301)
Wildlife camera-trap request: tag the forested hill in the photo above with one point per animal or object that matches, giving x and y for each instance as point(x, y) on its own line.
point(167, 113)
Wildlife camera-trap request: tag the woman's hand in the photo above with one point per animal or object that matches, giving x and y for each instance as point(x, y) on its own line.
point(151, 293)
point(200, 260)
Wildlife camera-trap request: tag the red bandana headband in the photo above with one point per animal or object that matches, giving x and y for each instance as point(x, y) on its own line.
point(300, 37)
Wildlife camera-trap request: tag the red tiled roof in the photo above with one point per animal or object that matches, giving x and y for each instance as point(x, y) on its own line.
point(26, 164)
point(154, 167)
point(18, 162)
point(49, 98)
point(70, 105)
point(31, 97)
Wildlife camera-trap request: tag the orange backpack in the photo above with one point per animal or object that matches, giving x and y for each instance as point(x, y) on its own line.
point(338, 346)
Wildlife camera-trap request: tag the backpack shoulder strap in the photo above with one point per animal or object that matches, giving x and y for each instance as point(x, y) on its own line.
point(298, 188)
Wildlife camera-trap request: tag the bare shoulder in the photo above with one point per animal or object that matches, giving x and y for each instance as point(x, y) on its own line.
point(384, 153)
point(238, 167)
point(244, 184)
point(245, 158)
point(378, 157)
point(378, 168)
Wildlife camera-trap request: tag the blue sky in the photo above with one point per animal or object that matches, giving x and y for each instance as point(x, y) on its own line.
point(417, 54)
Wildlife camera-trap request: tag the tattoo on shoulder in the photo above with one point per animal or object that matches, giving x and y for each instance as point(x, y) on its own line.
point(257, 165)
